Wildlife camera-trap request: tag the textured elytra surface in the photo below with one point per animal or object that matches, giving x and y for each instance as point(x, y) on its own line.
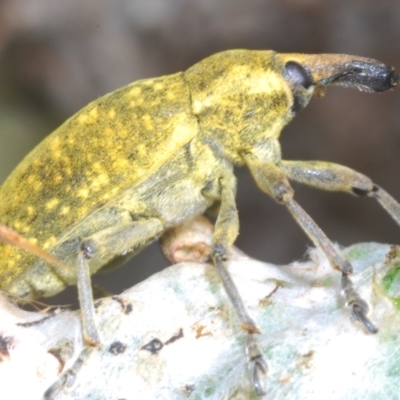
point(90, 159)
point(176, 336)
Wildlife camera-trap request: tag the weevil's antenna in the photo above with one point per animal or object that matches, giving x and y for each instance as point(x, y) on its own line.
point(13, 238)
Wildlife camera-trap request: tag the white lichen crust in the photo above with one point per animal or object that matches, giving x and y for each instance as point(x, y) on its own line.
point(175, 336)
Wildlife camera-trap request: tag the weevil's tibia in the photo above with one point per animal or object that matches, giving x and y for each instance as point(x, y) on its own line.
point(358, 308)
point(225, 232)
point(271, 179)
point(388, 203)
point(247, 323)
point(67, 379)
point(85, 293)
point(103, 246)
point(319, 238)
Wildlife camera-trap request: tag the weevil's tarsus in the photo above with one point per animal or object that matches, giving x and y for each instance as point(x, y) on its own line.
point(358, 307)
point(257, 365)
point(68, 378)
point(85, 293)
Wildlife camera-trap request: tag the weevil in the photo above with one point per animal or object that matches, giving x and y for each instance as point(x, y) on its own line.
point(136, 162)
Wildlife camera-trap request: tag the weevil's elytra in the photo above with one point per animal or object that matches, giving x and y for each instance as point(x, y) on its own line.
point(140, 160)
point(65, 186)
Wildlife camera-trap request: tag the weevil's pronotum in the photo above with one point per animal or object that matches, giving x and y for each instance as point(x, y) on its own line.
point(132, 164)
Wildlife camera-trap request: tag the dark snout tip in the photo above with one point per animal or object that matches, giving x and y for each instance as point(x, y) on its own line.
point(385, 80)
point(366, 75)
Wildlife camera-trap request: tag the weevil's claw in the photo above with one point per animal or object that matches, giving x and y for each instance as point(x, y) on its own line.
point(256, 364)
point(358, 307)
point(358, 313)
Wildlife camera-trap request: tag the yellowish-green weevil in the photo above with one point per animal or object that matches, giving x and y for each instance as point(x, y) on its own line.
point(127, 167)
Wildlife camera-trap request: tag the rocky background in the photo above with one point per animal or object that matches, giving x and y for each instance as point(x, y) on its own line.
point(56, 56)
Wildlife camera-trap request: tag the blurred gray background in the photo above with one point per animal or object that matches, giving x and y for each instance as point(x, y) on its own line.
point(56, 56)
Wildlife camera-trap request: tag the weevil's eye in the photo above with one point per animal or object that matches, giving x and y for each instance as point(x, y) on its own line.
point(300, 81)
point(298, 75)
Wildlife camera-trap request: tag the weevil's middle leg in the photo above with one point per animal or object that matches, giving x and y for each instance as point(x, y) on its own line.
point(225, 233)
point(272, 180)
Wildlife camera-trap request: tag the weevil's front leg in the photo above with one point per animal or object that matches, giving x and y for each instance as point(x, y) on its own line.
point(225, 233)
point(272, 180)
point(98, 249)
point(330, 176)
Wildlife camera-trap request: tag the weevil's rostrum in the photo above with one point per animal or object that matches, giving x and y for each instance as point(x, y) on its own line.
point(140, 160)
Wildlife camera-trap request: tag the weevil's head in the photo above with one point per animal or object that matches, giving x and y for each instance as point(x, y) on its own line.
point(311, 73)
point(243, 98)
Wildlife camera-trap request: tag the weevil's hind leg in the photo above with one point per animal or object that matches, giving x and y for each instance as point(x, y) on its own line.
point(67, 379)
point(272, 180)
point(99, 249)
point(335, 177)
point(225, 233)
point(85, 294)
